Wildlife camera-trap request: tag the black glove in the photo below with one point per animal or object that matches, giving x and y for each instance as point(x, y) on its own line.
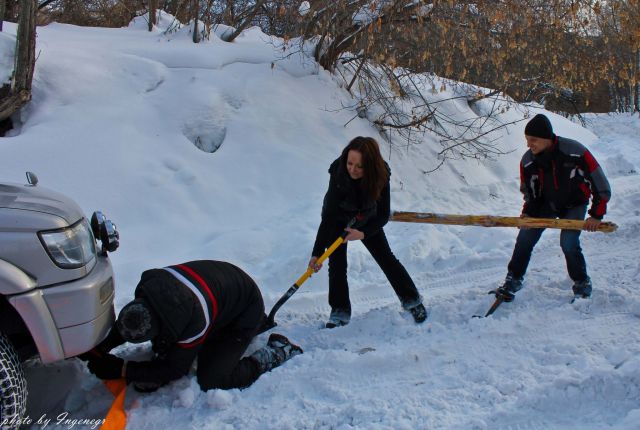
point(90, 355)
point(112, 340)
point(106, 367)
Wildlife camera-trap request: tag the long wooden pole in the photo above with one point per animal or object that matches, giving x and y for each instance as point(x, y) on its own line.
point(496, 221)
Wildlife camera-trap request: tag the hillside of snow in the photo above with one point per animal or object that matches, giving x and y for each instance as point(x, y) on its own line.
point(220, 151)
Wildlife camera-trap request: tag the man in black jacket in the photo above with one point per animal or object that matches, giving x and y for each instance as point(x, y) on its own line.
point(558, 176)
point(209, 310)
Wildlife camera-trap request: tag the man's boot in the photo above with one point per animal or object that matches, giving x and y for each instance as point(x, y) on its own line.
point(147, 387)
point(508, 290)
point(582, 289)
point(278, 350)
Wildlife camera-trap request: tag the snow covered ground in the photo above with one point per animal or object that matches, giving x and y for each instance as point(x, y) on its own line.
point(124, 121)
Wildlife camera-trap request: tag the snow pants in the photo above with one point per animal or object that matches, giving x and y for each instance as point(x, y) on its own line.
point(569, 242)
point(220, 362)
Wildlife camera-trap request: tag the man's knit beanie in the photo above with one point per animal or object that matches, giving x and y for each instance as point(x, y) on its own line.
point(137, 322)
point(539, 126)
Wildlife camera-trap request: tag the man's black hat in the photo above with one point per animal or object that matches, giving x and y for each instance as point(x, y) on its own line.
point(137, 322)
point(539, 126)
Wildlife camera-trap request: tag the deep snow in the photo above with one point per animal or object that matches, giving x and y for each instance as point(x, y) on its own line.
point(118, 121)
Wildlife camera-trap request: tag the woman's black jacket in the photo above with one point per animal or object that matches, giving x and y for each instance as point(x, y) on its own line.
point(345, 200)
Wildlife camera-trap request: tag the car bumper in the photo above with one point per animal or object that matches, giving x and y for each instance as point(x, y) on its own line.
point(71, 318)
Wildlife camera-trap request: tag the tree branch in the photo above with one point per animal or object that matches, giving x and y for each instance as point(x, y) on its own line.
point(414, 123)
point(44, 3)
point(250, 15)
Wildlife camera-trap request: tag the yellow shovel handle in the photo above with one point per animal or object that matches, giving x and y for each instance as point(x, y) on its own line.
point(323, 257)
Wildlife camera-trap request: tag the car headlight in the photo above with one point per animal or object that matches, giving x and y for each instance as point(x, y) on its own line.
point(70, 247)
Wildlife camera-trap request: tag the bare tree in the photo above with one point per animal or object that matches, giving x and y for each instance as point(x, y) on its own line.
point(3, 8)
point(153, 6)
point(246, 18)
point(195, 13)
point(400, 104)
point(618, 23)
point(336, 27)
point(105, 13)
point(19, 92)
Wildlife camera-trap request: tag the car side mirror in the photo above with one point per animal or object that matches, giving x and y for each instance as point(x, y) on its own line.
point(105, 231)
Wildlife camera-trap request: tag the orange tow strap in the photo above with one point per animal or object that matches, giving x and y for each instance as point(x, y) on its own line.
point(116, 418)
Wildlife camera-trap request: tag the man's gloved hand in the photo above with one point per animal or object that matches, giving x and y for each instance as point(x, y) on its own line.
point(90, 355)
point(106, 367)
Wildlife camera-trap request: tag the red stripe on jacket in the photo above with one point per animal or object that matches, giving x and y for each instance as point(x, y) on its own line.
point(592, 164)
point(214, 303)
point(601, 208)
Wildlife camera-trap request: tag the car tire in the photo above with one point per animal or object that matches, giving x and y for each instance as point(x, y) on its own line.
point(13, 385)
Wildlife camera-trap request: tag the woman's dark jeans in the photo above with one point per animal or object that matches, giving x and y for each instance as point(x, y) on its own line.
point(378, 247)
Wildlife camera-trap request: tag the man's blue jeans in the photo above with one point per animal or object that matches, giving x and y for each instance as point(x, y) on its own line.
point(569, 241)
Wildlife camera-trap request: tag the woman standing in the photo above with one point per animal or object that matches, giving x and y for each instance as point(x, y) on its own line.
point(359, 187)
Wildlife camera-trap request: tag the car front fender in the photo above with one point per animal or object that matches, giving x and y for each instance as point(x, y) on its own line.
point(13, 280)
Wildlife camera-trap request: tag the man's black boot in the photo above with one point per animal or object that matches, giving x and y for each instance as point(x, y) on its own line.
point(582, 289)
point(278, 350)
point(508, 290)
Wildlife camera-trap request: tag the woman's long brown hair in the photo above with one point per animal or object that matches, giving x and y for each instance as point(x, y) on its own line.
point(375, 175)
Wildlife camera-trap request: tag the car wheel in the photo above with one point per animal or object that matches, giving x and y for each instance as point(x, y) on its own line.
point(13, 385)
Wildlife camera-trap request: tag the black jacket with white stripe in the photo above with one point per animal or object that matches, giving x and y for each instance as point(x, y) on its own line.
point(194, 301)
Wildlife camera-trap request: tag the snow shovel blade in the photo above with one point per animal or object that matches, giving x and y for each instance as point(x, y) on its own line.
point(493, 307)
point(270, 322)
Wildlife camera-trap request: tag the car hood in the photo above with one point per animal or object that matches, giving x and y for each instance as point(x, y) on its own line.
point(39, 199)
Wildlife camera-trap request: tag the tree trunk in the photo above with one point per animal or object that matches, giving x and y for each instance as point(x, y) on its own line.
point(11, 103)
point(246, 21)
point(636, 104)
point(3, 8)
point(194, 13)
point(26, 46)
point(20, 92)
point(496, 221)
point(153, 7)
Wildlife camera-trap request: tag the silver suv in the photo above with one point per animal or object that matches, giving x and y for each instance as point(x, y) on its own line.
point(56, 285)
